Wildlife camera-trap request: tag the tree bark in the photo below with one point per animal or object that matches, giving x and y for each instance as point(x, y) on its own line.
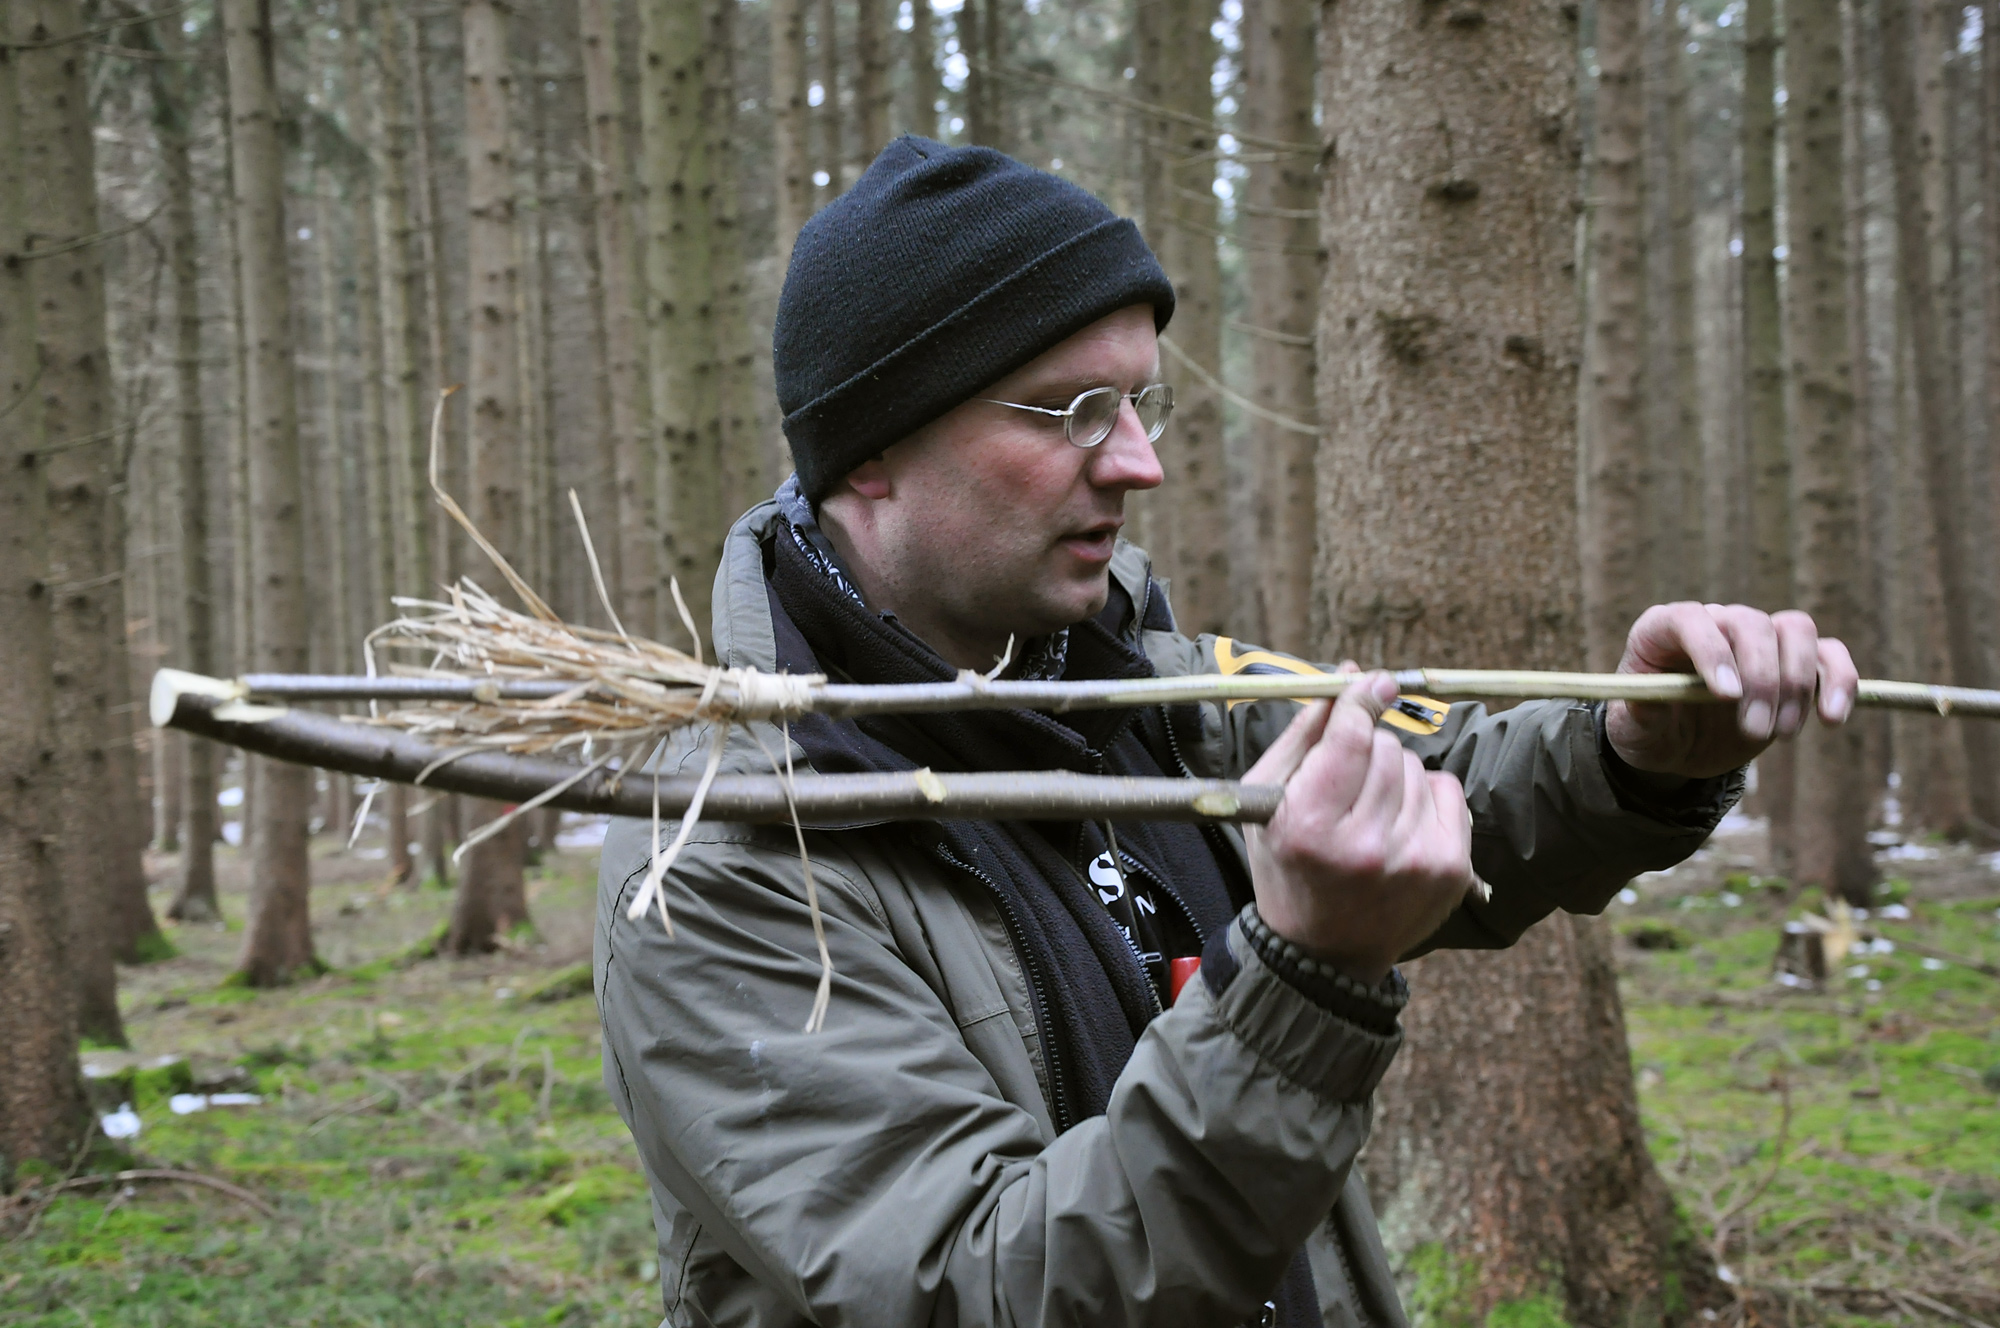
point(1874, 473)
point(194, 646)
point(43, 1116)
point(1281, 225)
point(1616, 518)
point(681, 317)
point(1177, 53)
point(1764, 386)
point(1447, 343)
point(1684, 443)
point(741, 445)
point(926, 81)
point(636, 547)
point(377, 571)
point(871, 79)
point(73, 393)
point(402, 353)
point(790, 123)
point(491, 898)
point(1989, 182)
point(1914, 154)
point(832, 135)
point(277, 939)
point(1832, 813)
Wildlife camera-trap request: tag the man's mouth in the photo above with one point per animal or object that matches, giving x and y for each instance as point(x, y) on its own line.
point(1093, 543)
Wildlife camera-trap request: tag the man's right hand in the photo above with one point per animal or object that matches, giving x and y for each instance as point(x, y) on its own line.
point(1368, 852)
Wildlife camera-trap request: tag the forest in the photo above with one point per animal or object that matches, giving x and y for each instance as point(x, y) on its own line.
point(1498, 321)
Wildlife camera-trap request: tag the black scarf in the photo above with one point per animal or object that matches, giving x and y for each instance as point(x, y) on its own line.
point(1093, 999)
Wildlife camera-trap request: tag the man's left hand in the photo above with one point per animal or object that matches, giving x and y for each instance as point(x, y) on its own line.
point(1776, 667)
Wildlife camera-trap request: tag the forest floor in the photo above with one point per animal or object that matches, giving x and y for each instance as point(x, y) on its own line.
point(439, 1149)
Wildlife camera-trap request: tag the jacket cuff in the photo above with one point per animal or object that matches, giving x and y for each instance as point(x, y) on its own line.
point(1339, 1046)
point(1692, 804)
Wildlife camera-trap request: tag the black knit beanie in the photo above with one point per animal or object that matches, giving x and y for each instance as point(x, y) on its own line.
point(941, 271)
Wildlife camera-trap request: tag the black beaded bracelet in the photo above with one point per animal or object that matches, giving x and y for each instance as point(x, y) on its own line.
point(1373, 1008)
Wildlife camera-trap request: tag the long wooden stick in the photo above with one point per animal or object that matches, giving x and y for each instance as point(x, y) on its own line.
point(823, 801)
point(846, 699)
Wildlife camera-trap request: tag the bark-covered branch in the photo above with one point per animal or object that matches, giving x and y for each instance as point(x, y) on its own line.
point(826, 801)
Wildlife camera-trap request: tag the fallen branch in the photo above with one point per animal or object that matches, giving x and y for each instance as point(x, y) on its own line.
point(333, 743)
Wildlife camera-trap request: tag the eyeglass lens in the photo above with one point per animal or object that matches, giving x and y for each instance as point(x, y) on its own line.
point(1095, 414)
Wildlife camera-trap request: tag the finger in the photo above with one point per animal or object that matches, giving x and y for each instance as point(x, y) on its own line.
point(1380, 800)
point(1415, 817)
point(1839, 681)
point(1754, 642)
point(1347, 666)
point(1281, 759)
point(1671, 637)
point(1798, 668)
point(1453, 815)
point(1336, 769)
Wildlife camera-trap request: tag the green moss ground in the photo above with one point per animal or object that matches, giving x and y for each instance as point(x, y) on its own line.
point(440, 1149)
point(439, 1146)
point(1845, 1137)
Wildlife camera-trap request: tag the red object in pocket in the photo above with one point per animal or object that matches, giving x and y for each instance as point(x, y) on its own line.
point(1178, 973)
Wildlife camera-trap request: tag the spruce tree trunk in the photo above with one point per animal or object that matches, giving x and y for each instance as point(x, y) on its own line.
point(1616, 520)
point(277, 938)
point(1685, 452)
point(681, 318)
point(790, 123)
point(1831, 809)
point(194, 649)
point(634, 552)
point(1188, 534)
point(43, 1115)
point(832, 135)
point(1914, 153)
point(1281, 224)
point(745, 477)
point(1764, 387)
point(492, 890)
point(1870, 650)
point(871, 79)
point(442, 823)
point(331, 566)
point(73, 393)
point(375, 570)
point(979, 37)
point(926, 80)
point(402, 353)
point(1507, 1155)
point(1989, 181)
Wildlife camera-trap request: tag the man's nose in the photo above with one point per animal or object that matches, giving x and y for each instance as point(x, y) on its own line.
point(1125, 459)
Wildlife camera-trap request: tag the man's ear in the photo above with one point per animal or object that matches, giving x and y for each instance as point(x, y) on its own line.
point(870, 479)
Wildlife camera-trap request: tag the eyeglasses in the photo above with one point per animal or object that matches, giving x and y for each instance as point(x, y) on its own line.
point(1094, 414)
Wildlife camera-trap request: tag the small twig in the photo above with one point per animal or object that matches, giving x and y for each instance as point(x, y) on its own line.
point(1976, 965)
point(48, 1196)
point(236, 1192)
point(131, 20)
point(85, 241)
point(1777, 1164)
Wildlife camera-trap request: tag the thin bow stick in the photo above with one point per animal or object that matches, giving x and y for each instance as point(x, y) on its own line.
point(849, 699)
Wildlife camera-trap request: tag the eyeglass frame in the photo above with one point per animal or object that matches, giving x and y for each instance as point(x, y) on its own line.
point(1068, 417)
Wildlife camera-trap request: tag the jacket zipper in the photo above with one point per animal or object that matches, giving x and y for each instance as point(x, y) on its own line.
point(1139, 959)
point(1059, 1110)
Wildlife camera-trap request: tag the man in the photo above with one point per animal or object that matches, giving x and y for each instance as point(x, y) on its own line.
point(1019, 1112)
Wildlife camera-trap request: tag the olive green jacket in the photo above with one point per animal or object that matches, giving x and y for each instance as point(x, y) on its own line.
point(899, 1167)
